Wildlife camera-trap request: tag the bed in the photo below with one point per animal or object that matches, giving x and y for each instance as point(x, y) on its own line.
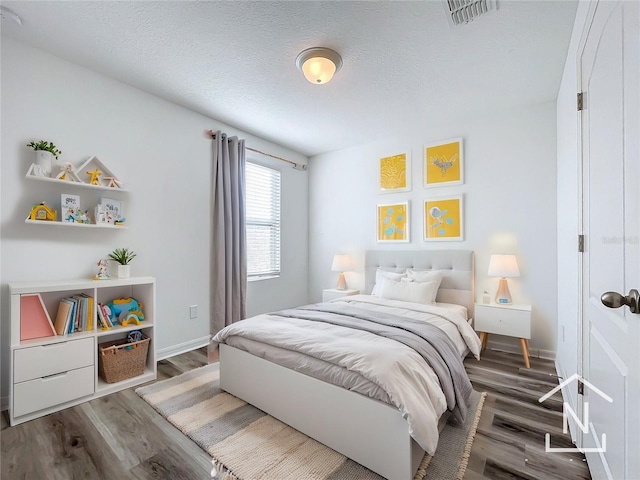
point(352, 417)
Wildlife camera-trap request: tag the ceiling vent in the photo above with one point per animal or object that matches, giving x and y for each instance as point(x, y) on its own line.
point(460, 12)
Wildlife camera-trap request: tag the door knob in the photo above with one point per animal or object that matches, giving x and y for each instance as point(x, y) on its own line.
point(615, 300)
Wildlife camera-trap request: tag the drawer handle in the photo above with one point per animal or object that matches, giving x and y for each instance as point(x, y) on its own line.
point(57, 344)
point(54, 376)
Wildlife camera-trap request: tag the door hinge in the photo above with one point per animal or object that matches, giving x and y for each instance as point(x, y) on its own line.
point(580, 388)
point(581, 243)
point(580, 104)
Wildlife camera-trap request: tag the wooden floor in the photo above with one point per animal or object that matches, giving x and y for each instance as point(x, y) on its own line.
point(510, 440)
point(120, 437)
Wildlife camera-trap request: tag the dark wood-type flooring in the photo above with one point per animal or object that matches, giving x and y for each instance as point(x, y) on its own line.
point(120, 437)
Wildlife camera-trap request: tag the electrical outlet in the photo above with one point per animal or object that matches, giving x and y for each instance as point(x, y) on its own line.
point(193, 311)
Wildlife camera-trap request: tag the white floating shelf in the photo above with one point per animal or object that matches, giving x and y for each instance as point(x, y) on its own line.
point(75, 184)
point(73, 224)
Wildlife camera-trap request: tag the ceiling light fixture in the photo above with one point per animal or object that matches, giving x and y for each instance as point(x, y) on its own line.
point(319, 64)
point(10, 15)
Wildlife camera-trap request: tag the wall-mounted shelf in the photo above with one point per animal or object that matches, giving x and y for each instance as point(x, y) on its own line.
point(99, 178)
point(72, 224)
point(75, 184)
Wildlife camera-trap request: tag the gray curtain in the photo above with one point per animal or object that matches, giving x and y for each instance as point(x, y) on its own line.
point(229, 254)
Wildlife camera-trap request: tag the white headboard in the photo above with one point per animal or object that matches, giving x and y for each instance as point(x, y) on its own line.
point(457, 284)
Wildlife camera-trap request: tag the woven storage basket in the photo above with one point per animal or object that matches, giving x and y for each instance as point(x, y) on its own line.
point(116, 362)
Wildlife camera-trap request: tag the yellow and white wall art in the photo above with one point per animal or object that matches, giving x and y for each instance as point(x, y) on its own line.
point(443, 220)
point(395, 173)
point(444, 163)
point(393, 222)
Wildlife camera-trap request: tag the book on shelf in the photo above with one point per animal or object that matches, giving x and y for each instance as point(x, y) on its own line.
point(69, 318)
point(106, 311)
point(105, 324)
point(62, 316)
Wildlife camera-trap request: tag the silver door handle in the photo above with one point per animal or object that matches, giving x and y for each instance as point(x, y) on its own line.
point(615, 300)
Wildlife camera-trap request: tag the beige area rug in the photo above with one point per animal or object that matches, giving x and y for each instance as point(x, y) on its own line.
point(248, 444)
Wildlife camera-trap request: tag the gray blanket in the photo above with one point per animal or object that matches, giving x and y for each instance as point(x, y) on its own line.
point(429, 341)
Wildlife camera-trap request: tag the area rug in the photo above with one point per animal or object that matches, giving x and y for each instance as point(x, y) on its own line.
point(247, 444)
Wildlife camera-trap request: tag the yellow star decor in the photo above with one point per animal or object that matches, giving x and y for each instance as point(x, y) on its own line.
point(94, 176)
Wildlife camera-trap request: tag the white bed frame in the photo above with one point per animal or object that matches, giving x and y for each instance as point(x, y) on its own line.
point(366, 430)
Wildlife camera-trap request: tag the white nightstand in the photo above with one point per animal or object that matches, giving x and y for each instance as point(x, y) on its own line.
point(329, 294)
point(511, 320)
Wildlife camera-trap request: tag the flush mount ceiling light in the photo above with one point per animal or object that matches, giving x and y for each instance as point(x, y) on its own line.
point(10, 15)
point(318, 64)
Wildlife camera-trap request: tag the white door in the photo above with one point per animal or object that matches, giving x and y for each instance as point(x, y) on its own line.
point(608, 67)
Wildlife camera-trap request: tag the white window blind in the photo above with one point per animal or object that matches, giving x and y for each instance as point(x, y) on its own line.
point(262, 220)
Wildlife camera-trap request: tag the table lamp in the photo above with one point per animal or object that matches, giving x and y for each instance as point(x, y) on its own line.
point(341, 263)
point(503, 266)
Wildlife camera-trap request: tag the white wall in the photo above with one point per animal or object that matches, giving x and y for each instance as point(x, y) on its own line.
point(509, 206)
point(159, 149)
point(569, 208)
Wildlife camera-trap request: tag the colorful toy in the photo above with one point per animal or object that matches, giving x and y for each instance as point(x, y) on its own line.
point(68, 173)
point(134, 336)
point(94, 176)
point(113, 182)
point(42, 212)
point(126, 311)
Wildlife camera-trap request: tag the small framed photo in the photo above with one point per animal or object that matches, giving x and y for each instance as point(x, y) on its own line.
point(394, 173)
point(444, 163)
point(443, 219)
point(393, 223)
point(69, 207)
point(112, 210)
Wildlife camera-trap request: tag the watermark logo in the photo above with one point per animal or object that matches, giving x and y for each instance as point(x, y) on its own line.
point(583, 425)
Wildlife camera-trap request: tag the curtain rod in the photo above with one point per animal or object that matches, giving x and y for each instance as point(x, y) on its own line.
point(297, 166)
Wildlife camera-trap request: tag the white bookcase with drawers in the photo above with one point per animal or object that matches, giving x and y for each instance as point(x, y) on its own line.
point(56, 372)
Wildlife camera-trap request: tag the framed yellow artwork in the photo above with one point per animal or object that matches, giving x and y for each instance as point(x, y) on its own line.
point(395, 173)
point(393, 222)
point(443, 220)
point(444, 163)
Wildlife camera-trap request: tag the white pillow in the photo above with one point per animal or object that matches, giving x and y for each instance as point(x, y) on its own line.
point(381, 275)
point(422, 292)
point(426, 276)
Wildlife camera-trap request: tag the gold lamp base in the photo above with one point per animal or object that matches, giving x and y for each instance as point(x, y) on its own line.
point(342, 283)
point(503, 296)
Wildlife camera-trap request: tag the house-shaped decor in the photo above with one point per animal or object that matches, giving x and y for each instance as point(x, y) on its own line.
point(94, 172)
point(42, 212)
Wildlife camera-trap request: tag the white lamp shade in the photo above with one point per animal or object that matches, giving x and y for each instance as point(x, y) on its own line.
point(341, 263)
point(503, 266)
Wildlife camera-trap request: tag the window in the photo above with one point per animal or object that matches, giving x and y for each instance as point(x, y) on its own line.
point(262, 220)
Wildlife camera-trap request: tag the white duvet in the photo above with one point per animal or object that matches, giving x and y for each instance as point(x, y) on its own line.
point(407, 380)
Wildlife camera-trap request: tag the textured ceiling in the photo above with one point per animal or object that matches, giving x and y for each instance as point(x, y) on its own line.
point(235, 60)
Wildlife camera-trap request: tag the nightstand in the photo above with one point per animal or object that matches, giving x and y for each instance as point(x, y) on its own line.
point(511, 320)
point(329, 294)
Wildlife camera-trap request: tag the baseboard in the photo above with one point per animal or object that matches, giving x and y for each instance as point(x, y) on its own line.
point(185, 347)
point(515, 348)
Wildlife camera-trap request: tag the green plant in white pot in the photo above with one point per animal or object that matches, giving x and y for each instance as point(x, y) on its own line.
point(45, 151)
point(123, 256)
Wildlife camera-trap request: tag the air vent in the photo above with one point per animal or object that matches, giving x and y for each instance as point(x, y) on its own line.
point(460, 12)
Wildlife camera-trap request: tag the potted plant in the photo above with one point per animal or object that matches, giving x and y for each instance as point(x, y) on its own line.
point(123, 256)
point(45, 151)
